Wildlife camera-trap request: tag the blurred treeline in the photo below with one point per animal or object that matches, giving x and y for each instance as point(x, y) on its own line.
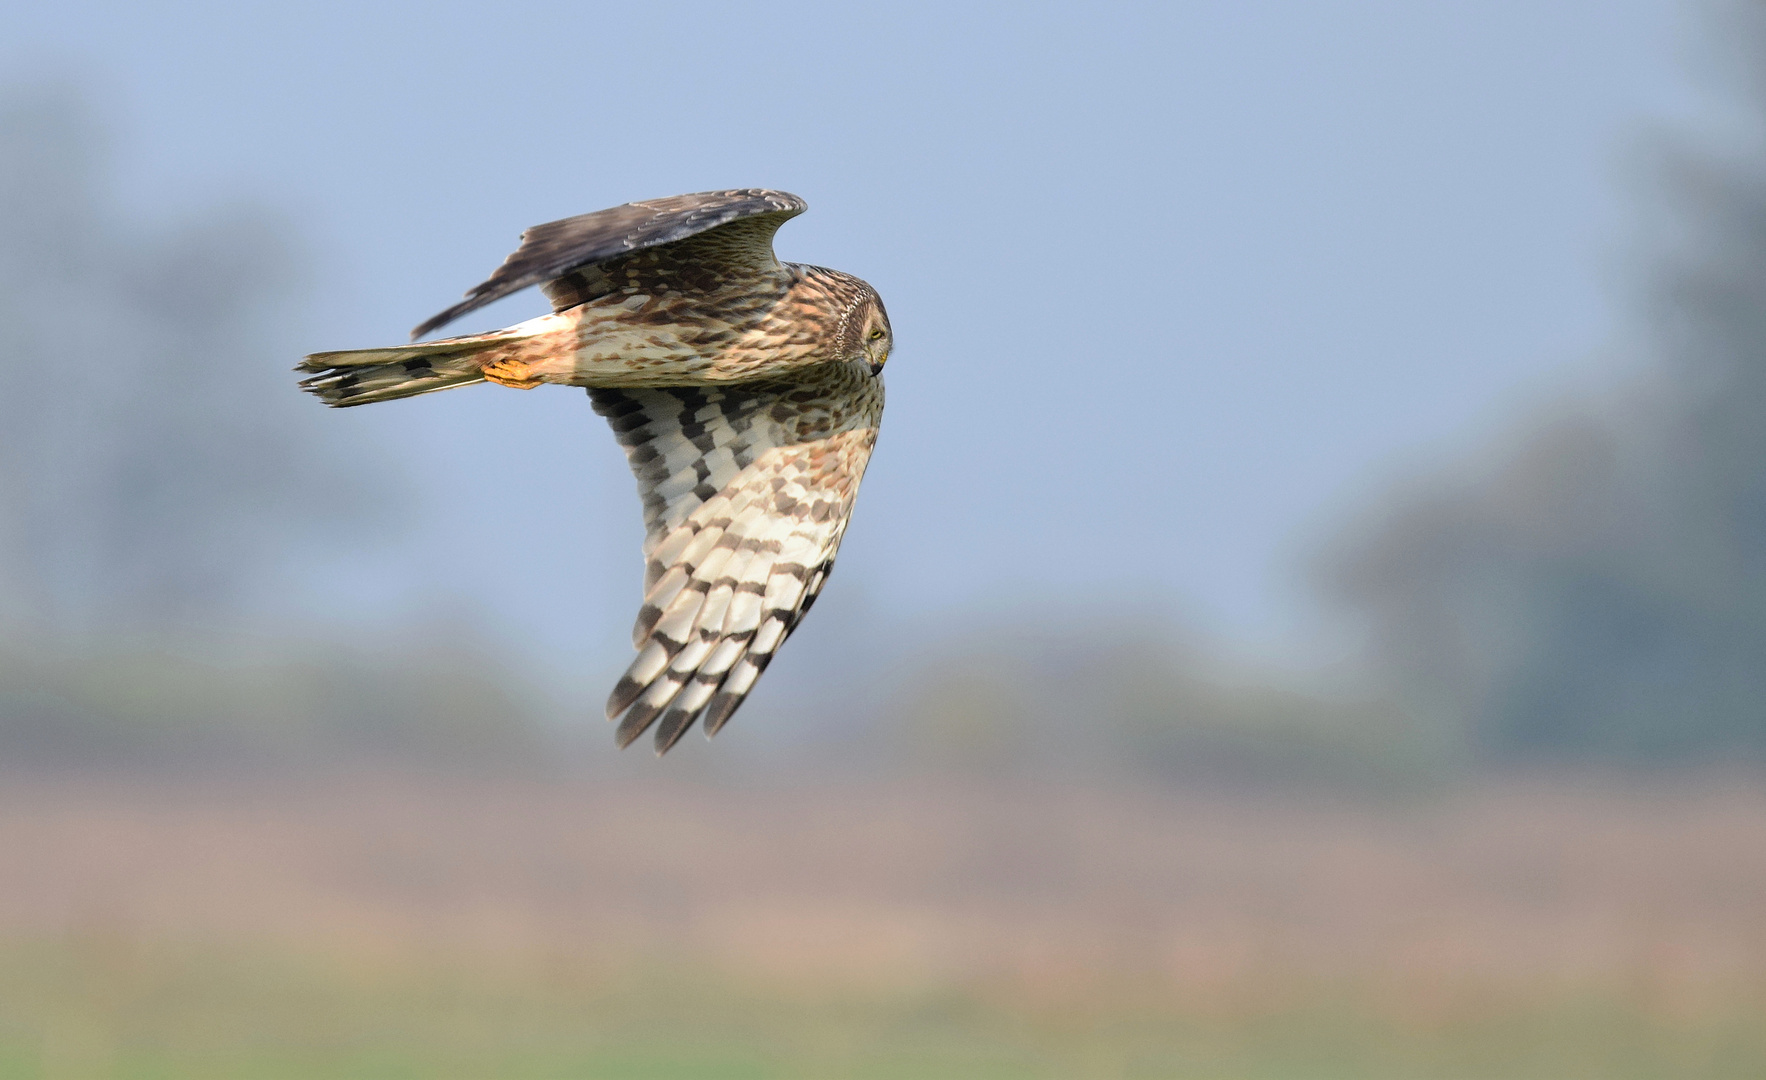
point(1595, 588)
point(163, 491)
point(1594, 592)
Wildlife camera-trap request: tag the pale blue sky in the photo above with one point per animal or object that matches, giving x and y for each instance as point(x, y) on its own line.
point(1173, 284)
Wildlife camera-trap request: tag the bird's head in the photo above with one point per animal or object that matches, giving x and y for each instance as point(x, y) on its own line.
point(874, 338)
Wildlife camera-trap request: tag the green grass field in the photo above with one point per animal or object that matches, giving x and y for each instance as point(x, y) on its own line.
point(103, 1007)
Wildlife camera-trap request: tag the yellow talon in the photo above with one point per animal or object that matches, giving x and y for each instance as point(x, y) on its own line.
point(513, 373)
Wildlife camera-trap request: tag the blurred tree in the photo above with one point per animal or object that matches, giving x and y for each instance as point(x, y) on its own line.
point(155, 465)
point(1083, 693)
point(1601, 592)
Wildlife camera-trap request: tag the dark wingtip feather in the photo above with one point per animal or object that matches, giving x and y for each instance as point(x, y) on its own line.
point(635, 723)
point(648, 616)
point(623, 695)
point(676, 723)
point(718, 713)
point(436, 322)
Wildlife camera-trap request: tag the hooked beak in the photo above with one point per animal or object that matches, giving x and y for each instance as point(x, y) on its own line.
point(876, 368)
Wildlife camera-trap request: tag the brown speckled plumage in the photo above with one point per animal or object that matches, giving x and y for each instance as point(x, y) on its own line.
point(745, 391)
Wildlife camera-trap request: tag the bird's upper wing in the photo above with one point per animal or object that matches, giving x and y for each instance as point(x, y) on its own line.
point(552, 250)
point(744, 516)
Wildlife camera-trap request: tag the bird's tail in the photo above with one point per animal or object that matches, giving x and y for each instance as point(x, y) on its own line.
point(364, 376)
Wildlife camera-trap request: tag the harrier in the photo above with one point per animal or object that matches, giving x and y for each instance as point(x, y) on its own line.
point(746, 392)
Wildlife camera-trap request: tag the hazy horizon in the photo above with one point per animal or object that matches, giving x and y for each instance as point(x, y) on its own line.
point(1175, 289)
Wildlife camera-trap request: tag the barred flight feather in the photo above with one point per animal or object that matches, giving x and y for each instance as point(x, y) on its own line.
point(735, 551)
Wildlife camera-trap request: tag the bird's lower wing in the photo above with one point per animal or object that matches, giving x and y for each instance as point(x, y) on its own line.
point(744, 524)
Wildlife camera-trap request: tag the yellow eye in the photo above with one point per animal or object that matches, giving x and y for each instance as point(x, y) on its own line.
point(876, 335)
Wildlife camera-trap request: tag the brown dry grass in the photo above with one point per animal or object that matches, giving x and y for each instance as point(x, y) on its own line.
point(1522, 887)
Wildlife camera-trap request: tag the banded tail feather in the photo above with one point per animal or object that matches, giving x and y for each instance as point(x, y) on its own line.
point(364, 376)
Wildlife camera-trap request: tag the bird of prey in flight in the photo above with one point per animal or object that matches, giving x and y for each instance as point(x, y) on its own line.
point(746, 392)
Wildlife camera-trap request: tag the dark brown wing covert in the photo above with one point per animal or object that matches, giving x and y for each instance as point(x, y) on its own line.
point(552, 250)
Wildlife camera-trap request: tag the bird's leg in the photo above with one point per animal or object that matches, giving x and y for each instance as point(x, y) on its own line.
point(512, 372)
point(526, 363)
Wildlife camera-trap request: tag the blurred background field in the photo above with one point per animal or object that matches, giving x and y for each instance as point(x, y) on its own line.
point(375, 923)
point(1333, 644)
